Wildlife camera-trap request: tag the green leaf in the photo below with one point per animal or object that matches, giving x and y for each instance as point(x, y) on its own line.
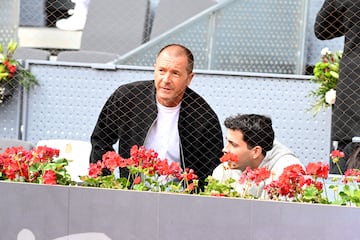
point(334, 74)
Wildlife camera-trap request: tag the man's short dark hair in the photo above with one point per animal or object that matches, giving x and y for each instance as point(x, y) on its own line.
point(257, 130)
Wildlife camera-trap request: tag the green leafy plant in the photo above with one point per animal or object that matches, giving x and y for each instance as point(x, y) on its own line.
point(12, 72)
point(326, 74)
point(350, 194)
point(215, 188)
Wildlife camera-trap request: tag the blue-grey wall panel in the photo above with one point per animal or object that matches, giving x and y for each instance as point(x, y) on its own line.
point(69, 99)
point(10, 115)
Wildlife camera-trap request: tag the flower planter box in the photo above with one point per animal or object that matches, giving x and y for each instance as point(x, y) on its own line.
point(44, 212)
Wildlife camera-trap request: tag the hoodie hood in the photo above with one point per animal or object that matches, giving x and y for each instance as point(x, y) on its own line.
point(279, 151)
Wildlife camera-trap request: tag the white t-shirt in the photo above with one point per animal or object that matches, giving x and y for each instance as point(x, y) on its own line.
point(163, 135)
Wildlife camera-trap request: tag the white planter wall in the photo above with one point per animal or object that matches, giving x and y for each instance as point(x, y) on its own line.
point(62, 212)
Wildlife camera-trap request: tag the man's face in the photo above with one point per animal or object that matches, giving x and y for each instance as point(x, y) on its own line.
point(236, 145)
point(171, 77)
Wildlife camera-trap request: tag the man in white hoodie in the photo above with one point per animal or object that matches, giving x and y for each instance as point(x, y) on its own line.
point(250, 137)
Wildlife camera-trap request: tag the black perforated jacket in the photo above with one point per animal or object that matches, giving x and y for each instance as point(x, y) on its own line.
point(131, 110)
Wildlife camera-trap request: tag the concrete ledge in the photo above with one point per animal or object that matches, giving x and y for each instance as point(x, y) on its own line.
point(58, 212)
point(49, 38)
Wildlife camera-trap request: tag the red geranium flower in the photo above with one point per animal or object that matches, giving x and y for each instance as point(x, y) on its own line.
point(18, 164)
point(137, 180)
point(95, 169)
point(111, 160)
point(229, 157)
point(318, 169)
point(255, 175)
point(144, 166)
point(337, 153)
point(49, 177)
point(351, 175)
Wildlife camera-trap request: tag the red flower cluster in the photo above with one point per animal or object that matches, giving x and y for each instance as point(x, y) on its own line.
point(337, 154)
point(291, 180)
point(295, 179)
point(351, 175)
point(255, 175)
point(10, 67)
point(18, 164)
point(229, 157)
point(143, 161)
point(318, 170)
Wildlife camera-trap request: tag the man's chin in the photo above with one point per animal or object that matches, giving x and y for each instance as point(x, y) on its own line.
point(167, 102)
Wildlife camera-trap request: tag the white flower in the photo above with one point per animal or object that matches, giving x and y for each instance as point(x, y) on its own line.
point(330, 96)
point(325, 51)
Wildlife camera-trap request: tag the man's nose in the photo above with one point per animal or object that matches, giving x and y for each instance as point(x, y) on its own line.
point(224, 150)
point(166, 77)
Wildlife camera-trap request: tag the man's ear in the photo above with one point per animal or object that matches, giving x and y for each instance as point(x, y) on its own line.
point(257, 156)
point(191, 75)
point(257, 151)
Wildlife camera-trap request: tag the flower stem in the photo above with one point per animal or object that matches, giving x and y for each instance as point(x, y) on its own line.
point(128, 181)
point(325, 191)
point(338, 167)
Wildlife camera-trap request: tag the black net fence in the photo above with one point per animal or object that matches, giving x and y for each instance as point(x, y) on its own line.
point(338, 76)
point(58, 9)
point(338, 72)
point(45, 13)
point(189, 134)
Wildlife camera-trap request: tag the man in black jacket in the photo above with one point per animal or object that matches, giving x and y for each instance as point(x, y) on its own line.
point(339, 18)
point(165, 115)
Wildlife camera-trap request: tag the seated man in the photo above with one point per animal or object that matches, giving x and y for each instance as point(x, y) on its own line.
point(250, 138)
point(163, 114)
